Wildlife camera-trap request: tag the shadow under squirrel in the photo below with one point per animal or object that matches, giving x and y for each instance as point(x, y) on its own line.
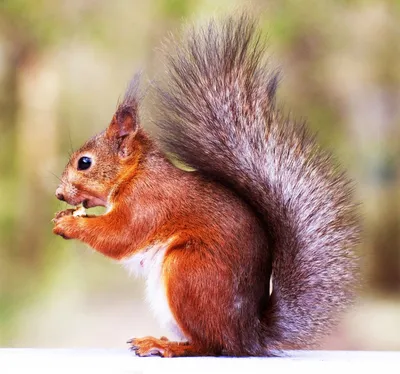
point(264, 200)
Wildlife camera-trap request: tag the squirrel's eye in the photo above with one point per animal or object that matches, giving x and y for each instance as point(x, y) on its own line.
point(84, 163)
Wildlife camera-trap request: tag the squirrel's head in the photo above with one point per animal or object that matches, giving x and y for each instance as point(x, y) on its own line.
point(96, 169)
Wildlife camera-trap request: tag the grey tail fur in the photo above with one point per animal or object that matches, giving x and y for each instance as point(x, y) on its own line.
point(218, 114)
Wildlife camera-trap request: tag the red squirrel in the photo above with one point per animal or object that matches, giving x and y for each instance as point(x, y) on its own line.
point(263, 201)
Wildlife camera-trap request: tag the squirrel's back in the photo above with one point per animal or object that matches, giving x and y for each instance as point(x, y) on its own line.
point(218, 114)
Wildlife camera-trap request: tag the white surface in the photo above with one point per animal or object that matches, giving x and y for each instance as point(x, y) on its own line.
point(122, 361)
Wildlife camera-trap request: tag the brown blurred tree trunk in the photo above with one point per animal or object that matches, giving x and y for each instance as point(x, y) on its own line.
point(36, 125)
point(386, 243)
point(28, 126)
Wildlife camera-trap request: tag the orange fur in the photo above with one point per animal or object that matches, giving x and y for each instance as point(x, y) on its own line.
point(150, 201)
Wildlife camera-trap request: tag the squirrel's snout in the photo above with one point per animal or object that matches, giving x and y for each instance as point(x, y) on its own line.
point(60, 194)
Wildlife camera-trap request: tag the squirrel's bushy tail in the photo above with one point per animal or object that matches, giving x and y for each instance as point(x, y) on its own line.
point(218, 114)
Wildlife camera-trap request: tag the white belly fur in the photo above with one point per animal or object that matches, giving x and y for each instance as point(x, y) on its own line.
point(149, 264)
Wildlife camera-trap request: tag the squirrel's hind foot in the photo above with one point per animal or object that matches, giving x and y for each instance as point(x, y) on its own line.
point(149, 346)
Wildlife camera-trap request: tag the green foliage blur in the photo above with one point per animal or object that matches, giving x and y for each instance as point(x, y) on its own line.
point(63, 66)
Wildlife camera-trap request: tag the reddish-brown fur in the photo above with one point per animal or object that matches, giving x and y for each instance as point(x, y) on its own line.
point(214, 233)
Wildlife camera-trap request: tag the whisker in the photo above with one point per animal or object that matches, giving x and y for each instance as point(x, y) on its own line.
point(55, 175)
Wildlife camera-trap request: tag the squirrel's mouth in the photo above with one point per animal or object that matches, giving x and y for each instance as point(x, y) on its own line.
point(79, 197)
point(93, 202)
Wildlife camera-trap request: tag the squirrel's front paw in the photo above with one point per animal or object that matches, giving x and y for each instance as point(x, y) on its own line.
point(66, 225)
point(62, 213)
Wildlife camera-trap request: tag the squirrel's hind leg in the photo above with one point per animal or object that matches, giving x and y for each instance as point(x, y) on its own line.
point(149, 346)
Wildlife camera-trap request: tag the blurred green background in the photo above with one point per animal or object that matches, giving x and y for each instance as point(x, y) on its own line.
point(63, 66)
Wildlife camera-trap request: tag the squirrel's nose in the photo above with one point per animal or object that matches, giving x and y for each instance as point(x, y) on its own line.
point(59, 194)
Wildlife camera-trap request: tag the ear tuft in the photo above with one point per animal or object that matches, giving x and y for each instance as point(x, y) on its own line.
point(126, 118)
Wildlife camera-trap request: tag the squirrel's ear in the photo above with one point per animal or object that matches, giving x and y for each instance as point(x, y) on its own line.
point(123, 123)
point(123, 126)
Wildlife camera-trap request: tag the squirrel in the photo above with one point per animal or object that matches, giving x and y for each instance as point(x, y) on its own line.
point(264, 202)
